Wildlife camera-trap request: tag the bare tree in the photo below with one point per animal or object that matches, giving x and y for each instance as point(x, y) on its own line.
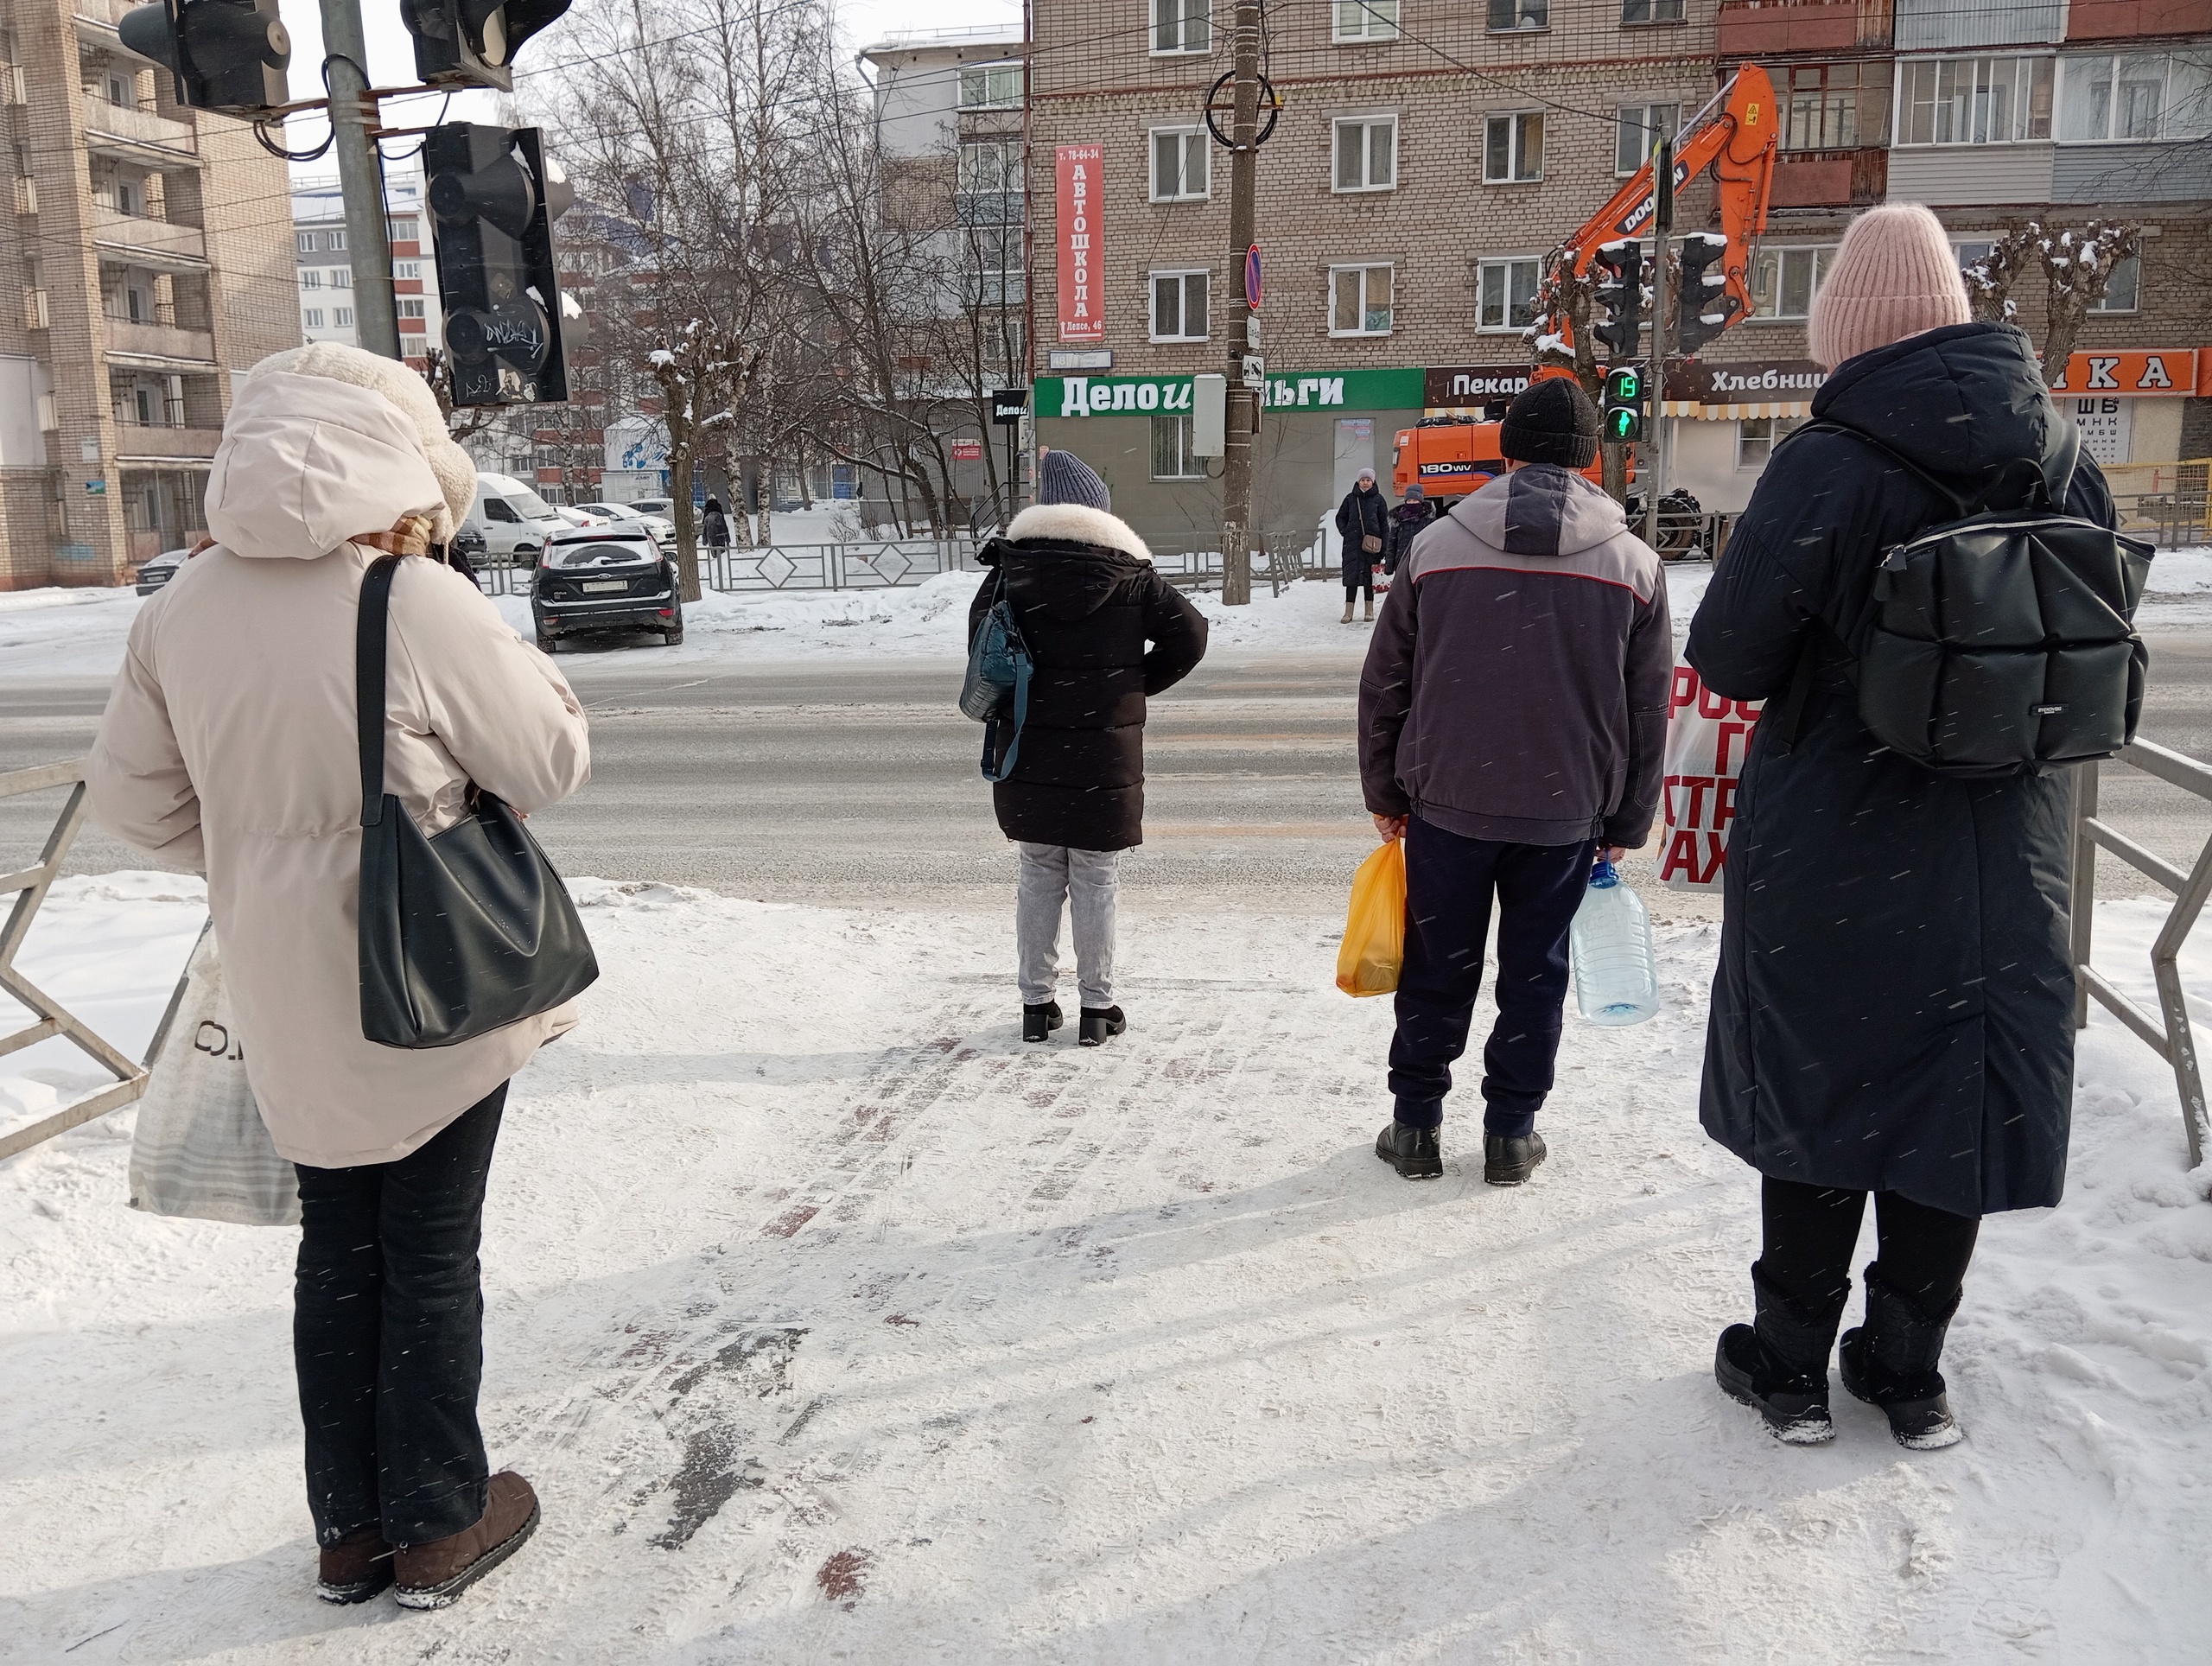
point(703, 376)
point(2077, 265)
point(463, 423)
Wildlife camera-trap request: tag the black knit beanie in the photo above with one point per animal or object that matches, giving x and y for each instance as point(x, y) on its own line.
point(1552, 422)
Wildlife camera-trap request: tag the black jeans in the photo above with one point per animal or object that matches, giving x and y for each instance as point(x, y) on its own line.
point(1810, 1232)
point(388, 1336)
point(1449, 881)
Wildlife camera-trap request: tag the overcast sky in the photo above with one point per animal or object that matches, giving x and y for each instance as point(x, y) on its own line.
point(392, 55)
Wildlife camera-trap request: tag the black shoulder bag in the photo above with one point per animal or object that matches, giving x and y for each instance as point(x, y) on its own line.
point(464, 933)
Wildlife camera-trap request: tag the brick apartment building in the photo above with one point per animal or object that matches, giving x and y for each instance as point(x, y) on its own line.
point(1428, 156)
point(148, 266)
point(326, 277)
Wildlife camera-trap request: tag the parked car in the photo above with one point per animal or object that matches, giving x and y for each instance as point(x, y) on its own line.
point(618, 514)
point(612, 578)
point(513, 521)
point(158, 570)
point(583, 514)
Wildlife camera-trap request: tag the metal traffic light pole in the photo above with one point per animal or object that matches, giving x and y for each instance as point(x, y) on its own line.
point(360, 176)
point(1663, 229)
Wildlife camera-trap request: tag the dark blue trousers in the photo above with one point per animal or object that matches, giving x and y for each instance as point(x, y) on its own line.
point(1449, 881)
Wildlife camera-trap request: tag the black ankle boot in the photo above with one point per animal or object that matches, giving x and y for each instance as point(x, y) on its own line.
point(1037, 1023)
point(1891, 1363)
point(1412, 1151)
point(1510, 1159)
point(1099, 1023)
point(1779, 1364)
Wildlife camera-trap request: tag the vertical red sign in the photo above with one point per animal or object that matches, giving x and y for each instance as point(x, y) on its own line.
point(1083, 309)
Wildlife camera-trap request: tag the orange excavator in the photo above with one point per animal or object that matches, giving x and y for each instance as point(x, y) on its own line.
point(1736, 135)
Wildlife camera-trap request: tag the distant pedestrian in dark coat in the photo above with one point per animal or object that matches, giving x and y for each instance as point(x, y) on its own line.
point(1362, 519)
point(1407, 520)
point(1892, 1010)
point(1512, 723)
point(1088, 602)
point(716, 525)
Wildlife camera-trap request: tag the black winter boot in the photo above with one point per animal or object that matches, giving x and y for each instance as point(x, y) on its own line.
point(1779, 1364)
point(1507, 1160)
point(1099, 1023)
point(1412, 1151)
point(1037, 1023)
point(1891, 1363)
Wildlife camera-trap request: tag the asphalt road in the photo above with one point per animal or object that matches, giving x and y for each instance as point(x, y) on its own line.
point(836, 783)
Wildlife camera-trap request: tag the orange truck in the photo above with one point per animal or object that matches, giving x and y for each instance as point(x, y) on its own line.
point(1450, 456)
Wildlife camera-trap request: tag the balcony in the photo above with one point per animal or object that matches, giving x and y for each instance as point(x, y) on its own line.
point(1759, 29)
point(2127, 20)
point(138, 444)
point(113, 130)
point(160, 347)
point(1831, 178)
point(162, 245)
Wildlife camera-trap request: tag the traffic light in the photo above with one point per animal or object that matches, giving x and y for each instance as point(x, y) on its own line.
point(1623, 414)
point(1622, 297)
point(473, 42)
point(1702, 305)
point(227, 55)
point(493, 199)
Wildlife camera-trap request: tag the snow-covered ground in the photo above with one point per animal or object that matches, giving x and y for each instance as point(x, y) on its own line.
point(831, 1322)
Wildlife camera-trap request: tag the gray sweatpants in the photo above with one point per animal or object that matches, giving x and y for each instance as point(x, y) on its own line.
point(1085, 880)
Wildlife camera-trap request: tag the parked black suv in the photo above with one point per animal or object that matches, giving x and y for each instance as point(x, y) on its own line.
point(604, 578)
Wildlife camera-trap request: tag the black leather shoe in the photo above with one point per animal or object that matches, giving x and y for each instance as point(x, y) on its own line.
point(1099, 1023)
point(1037, 1023)
point(1412, 1151)
point(1508, 1161)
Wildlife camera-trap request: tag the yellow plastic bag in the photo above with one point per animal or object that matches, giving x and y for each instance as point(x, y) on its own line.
point(1375, 930)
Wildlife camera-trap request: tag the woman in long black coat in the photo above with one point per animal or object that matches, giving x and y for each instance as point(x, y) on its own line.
point(1089, 602)
point(1893, 1012)
point(1364, 514)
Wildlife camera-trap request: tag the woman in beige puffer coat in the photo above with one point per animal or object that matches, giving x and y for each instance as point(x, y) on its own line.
point(229, 746)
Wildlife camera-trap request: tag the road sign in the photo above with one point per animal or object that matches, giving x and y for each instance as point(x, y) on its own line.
point(1256, 371)
point(1252, 278)
point(1008, 404)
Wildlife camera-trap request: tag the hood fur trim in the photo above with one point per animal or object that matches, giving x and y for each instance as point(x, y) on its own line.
point(1074, 523)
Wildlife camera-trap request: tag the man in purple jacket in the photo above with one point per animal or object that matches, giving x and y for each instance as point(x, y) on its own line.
point(1512, 725)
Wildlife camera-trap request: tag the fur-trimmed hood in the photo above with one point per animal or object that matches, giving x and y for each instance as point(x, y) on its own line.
point(1074, 523)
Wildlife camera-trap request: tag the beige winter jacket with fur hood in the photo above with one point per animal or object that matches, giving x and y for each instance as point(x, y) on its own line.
point(228, 747)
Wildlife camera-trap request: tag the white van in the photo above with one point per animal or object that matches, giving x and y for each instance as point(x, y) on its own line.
point(512, 519)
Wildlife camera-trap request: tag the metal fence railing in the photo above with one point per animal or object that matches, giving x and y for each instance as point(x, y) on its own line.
point(2167, 1033)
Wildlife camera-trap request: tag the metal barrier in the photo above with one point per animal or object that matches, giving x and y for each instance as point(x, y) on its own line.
point(50, 1019)
point(2172, 1039)
point(795, 567)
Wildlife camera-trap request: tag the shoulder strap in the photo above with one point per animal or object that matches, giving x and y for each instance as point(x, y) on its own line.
point(369, 646)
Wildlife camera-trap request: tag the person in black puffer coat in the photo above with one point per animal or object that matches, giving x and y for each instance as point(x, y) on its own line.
point(1407, 520)
point(1364, 514)
point(1088, 602)
point(1893, 1012)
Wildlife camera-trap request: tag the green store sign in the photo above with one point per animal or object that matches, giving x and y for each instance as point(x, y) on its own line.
point(1131, 396)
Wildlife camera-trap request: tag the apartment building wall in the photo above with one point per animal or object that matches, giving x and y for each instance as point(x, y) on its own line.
point(324, 276)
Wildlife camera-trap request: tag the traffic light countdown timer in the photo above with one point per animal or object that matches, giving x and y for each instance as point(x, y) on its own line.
point(1624, 397)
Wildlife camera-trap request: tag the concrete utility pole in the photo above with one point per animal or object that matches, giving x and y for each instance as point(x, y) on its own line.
point(1663, 230)
point(360, 177)
point(1244, 404)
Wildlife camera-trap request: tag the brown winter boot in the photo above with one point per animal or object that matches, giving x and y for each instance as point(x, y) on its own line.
point(355, 1568)
point(1346, 620)
point(1371, 609)
point(432, 1575)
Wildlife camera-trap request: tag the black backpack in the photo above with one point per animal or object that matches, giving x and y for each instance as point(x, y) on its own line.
point(2000, 642)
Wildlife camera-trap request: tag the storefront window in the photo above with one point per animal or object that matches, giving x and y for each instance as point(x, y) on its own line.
point(1170, 450)
point(1756, 437)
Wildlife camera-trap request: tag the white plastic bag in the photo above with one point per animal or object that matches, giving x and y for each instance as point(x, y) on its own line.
point(1708, 737)
point(202, 1149)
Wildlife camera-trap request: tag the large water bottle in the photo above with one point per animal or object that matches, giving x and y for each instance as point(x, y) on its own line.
point(1616, 966)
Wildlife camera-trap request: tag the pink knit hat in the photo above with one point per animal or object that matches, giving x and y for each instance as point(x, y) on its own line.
point(1894, 275)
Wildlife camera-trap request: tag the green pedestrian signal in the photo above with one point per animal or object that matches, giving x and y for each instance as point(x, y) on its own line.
point(1625, 400)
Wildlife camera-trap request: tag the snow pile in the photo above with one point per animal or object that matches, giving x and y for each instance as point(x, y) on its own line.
point(830, 1320)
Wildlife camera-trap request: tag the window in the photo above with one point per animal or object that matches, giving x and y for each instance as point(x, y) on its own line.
point(1179, 163)
point(1638, 130)
point(1506, 294)
point(127, 200)
point(342, 277)
point(1367, 154)
point(342, 317)
point(407, 269)
point(146, 399)
point(136, 307)
point(402, 230)
point(1513, 147)
point(1359, 299)
point(308, 242)
point(498, 509)
point(121, 92)
point(990, 165)
point(1652, 12)
point(2137, 95)
point(1832, 106)
point(1181, 26)
point(2123, 289)
point(1784, 281)
point(1178, 306)
point(334, 239)
point(990, 86)
point(1756, 437)
point(311, 279)
point(1969, 253)
point(1170, 450)
point(1366, 20)
point(411, 306)
point(1973, 100)
point(314, 318)
point(1520, 14)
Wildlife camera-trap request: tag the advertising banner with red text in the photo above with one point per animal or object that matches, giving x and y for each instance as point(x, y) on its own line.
point(1082, 254)
point(1708, 737)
